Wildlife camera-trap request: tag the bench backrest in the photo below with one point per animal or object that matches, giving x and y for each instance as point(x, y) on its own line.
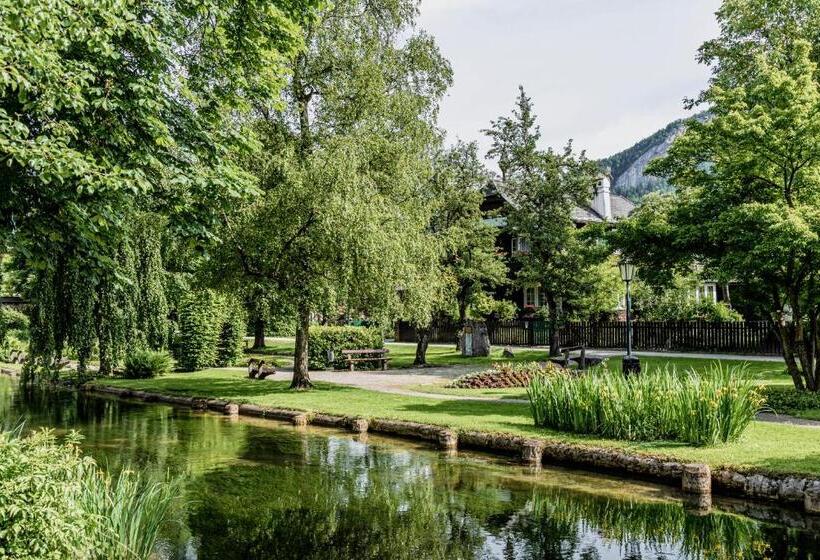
point(357, 352)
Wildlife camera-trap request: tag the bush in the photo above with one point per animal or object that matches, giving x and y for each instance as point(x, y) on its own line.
point(337, 339)
point(788, 400)
point(14, 331)
point(146, 364)
point(503, 376)
point(702, 409)
point(200, 327)
point(231, 345)
point(57, 504)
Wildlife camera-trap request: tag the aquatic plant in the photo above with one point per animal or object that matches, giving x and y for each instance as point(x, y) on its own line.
point(58, 504)
point(701, 408)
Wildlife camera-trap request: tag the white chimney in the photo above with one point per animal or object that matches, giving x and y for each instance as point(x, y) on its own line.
point(602, 202)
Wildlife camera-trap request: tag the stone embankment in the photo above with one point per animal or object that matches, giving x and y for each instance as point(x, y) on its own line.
point(698, 481)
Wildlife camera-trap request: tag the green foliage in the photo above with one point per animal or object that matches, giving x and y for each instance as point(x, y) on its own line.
point(14, 331)
point(546, 187)
point(337, 339)
point(748, 179)
point(677, 302)
point(342, 219)
point(57, 504)
point(200, 327)
point(146, 364)
point(786, 400)
point(116, 121)
point(231, 345)
point(706, 408)
point(211, 330)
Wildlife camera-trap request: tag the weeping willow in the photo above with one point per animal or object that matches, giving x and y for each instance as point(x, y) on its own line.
point(82, 309)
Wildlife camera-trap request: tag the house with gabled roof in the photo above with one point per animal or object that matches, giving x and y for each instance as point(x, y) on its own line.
point(604, 207)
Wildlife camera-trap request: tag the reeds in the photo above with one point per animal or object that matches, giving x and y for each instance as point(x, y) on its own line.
point(701, 408)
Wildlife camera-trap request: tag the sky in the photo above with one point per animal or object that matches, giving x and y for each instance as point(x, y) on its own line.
point(605, 73)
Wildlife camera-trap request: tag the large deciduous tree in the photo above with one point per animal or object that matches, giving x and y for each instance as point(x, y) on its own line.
point(342, 219)
point(469, 265)
point(747, 207)
point(544, 188)
point(113, 108)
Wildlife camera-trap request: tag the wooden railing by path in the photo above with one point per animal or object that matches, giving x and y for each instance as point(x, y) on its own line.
point(742, 337)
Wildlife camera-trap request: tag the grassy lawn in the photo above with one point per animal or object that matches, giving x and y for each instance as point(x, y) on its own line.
point(770, 447)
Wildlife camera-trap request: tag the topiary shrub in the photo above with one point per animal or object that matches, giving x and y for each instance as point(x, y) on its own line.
point(146, 364)
point(231, 344)
point(200, 327)
point(504, 376)
point(337, 339)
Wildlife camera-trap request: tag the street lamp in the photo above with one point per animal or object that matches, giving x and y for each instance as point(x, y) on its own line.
point(631, 364)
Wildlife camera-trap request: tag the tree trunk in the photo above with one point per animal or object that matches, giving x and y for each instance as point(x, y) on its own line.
point(259, 334)
point(555, 335)
point(301, 376)
point(422, 342)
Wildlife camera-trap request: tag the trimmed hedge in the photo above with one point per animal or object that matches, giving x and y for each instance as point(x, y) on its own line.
point(788, 400)
point(211, 331)
point(337, 339)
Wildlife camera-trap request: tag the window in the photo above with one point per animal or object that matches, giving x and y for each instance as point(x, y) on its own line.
point(532, 297)
point(520, 245)
point(706, 292)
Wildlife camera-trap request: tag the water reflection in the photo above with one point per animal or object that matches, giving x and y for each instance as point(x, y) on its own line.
point(256, 491)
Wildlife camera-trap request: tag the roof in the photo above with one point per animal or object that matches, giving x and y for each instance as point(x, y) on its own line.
point(621, 207)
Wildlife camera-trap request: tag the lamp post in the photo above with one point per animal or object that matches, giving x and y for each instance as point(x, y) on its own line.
point(631, 364)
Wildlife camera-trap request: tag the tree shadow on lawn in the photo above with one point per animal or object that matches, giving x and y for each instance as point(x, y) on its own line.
point(203, 385)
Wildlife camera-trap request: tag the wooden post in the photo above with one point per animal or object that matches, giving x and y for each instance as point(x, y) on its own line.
point(532, 453)
point(448, 440)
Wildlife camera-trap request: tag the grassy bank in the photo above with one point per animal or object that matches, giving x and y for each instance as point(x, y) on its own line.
point(768, 447)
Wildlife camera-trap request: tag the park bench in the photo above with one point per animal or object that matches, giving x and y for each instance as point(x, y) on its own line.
point(258, 369)
point(353, 357)
point(584, 360)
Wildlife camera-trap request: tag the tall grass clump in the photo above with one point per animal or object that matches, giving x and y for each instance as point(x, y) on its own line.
point(701, 408)
point(56, 503)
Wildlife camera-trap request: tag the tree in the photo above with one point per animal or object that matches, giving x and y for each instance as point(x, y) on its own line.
point(545, 187)
point(342, 219)
point(747, 205)
point(469, 264)
point(110, 109)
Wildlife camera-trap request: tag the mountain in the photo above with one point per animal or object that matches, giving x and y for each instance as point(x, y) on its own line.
point(628, 167)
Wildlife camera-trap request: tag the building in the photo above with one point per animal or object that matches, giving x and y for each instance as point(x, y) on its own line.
point(604, 207)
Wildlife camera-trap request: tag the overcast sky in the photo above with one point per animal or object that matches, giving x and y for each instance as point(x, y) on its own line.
point(605, 73)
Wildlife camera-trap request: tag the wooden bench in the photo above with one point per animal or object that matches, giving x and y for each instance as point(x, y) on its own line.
point(584, 360)
point(353, 357)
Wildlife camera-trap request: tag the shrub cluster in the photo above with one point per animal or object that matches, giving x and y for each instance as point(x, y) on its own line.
point(211, 331)
point(146, 364)
point(14, 331)
point(58, 504)
point(702, 409)
point(787, 400)
point(337, 339)
point(504, 376)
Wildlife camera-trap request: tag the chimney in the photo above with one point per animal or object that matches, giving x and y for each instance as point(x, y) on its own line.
point(602, 202)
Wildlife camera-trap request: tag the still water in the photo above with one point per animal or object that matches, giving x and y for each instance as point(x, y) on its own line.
point(260, 490)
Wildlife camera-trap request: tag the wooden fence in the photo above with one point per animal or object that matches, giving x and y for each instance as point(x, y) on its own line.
point(749, 337)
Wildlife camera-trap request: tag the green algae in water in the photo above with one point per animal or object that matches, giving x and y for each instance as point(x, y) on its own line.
point(257, 490)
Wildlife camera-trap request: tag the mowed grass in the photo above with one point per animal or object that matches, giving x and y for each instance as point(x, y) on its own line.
point(402, 355)
point(765, 446)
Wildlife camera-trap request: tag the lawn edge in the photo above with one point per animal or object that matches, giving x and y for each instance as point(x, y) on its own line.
point(774, 486)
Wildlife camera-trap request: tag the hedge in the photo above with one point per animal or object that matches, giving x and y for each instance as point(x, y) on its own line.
point(337, 339)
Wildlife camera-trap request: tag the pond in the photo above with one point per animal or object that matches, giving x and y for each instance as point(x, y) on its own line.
point(260, 490)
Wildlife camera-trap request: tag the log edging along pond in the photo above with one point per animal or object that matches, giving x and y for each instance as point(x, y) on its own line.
point(697, 480)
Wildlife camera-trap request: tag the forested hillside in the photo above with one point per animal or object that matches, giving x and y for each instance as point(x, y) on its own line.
point(628, 166)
